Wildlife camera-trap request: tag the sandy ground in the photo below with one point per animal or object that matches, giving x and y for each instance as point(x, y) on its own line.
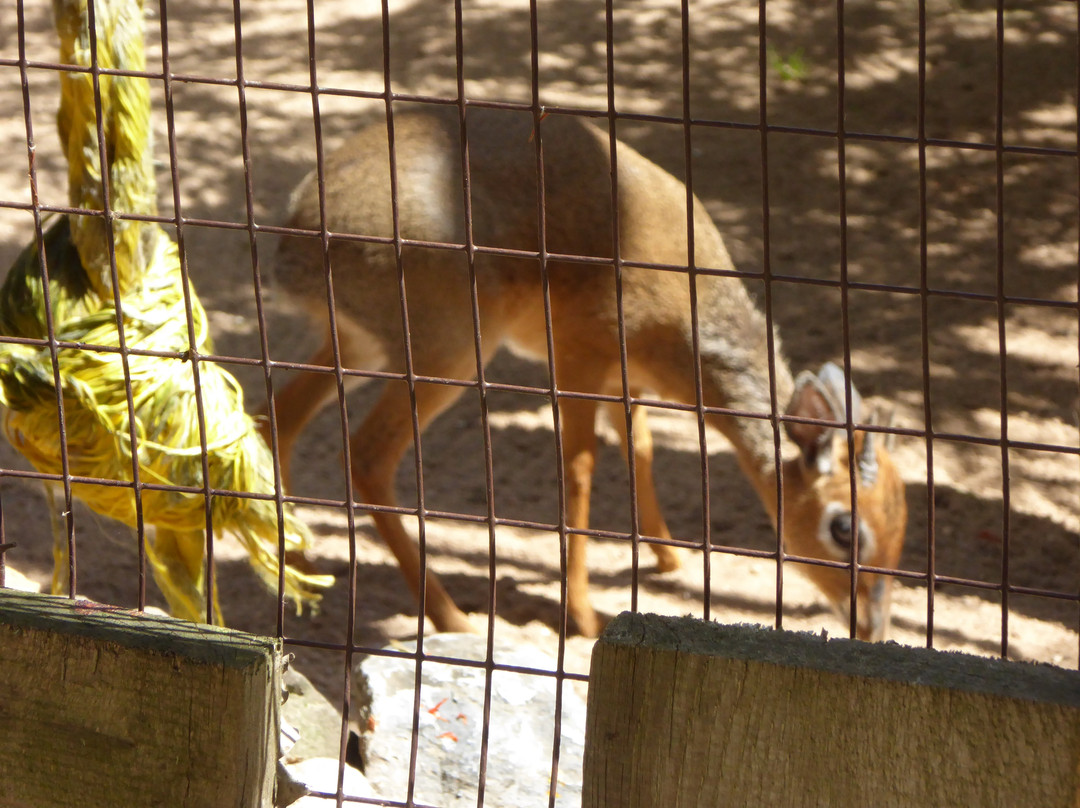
point(971, 528)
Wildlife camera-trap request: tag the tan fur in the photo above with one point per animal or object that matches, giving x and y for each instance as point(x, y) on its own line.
point(656, 314)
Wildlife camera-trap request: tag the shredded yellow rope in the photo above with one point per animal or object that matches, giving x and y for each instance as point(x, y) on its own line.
point(93, 382)
point(125, 112)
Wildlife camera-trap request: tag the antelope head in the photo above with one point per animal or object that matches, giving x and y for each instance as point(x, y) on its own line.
point(819, 518)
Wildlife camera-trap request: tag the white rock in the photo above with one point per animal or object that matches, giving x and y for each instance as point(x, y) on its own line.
point(451, 724)
point(13, 579)
point(321, 774)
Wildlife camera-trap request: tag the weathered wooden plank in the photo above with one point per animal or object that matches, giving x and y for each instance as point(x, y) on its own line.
point(105, 707)
point(687, 713)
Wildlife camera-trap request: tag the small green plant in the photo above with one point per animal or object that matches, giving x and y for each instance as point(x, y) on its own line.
point(789, 68)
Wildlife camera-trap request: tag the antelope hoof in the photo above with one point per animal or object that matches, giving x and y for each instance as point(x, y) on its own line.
point(587, 622)
point(454, 623)
point(668, 558)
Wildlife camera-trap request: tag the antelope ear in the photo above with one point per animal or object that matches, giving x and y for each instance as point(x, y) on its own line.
point(889, 421)
point(822, 397)
point(867, 459)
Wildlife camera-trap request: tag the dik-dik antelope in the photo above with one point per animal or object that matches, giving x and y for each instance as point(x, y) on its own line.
point(656, 315)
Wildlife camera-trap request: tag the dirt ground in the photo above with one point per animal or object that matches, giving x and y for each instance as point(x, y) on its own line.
point(964, 334)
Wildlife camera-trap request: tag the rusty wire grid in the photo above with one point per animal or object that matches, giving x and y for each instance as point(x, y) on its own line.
point(927, 432)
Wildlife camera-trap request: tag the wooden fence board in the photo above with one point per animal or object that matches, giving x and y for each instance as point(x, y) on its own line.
point(684, 713)
point(105, 707)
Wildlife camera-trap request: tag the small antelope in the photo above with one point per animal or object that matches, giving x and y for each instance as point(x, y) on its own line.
point(732, 333)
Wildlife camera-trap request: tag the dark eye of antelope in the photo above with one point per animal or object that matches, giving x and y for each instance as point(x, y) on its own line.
point(840, 529)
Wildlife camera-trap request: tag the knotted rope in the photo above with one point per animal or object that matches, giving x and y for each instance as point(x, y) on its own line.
point(153, 314)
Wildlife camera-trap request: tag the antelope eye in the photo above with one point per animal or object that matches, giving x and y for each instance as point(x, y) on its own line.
point(840, 529)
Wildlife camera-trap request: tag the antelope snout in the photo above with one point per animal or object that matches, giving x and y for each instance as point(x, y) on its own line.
point(835, 533)
point(872, 620)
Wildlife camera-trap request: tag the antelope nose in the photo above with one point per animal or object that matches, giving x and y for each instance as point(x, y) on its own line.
point(841, 530)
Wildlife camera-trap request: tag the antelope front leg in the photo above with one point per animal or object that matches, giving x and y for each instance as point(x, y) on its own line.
point(376, 450)
point(296, 404)
point(579, 458)
point(650, 519)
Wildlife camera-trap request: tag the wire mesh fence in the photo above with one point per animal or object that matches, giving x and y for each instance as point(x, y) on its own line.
point(897, 187)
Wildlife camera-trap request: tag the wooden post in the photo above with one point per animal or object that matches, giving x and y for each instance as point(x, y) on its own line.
point(687, 713)
point(106, 707)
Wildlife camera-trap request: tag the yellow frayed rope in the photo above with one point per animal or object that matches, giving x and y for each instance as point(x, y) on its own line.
point(93, 381)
